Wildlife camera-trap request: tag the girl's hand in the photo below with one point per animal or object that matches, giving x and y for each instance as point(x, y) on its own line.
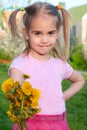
point(77, 84)
point(16, 75)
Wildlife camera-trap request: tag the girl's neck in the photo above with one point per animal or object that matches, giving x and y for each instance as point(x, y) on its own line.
point(40, 57)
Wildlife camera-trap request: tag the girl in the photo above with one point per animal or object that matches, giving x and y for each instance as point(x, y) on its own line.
point(42, 24)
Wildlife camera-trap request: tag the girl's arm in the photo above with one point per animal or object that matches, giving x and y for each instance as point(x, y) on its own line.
point(77, 83)
point(16, 74)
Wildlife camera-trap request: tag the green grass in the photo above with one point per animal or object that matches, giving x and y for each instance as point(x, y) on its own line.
point(76, 106)
point(5, 123)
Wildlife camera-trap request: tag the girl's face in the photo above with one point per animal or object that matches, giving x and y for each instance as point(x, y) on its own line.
point(42, 35)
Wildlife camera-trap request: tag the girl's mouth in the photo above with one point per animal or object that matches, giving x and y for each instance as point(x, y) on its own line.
point(44, 45)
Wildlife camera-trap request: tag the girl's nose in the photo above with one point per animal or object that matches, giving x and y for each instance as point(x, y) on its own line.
point(44, 39)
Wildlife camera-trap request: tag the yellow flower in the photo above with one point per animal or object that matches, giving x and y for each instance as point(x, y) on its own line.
point(9, 113)
point(19, 93)
point(33, 99)
point(35, 93)
point(23, 100)
point(26, 88)
point(17, 104)
point(12, 116)
point(11, 97)
point(34, 104)
point(26, 108)
point(7, 85)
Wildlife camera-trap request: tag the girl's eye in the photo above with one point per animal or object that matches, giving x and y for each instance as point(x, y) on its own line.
point(37, 33)
point(51, 33)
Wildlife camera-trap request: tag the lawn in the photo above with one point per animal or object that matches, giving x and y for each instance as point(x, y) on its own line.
point(5, 123)
point(76, 106)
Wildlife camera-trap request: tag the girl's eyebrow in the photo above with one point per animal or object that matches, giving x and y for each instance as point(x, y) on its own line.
point(34, 31)
point(52, 31)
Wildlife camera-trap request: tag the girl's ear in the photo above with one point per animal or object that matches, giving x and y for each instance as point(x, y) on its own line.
point(25, 33)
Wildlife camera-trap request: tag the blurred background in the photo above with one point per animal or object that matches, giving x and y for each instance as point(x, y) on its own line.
point(9, 48)
point(78, 36)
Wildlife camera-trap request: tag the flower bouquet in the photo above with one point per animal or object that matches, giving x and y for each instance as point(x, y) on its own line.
point(23, 101)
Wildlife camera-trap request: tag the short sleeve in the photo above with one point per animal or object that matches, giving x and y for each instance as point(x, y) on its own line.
point(17, 63)
point(67, 71)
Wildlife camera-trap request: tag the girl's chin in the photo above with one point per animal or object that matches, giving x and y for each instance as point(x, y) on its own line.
point(41, 53)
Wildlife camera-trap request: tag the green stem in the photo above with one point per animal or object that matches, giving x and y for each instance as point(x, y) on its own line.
point(22, 104)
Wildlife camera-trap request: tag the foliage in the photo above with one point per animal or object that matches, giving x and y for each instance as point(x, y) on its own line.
point(77, 59)
point(7, 44)
point(9, 47)
point(6, 56)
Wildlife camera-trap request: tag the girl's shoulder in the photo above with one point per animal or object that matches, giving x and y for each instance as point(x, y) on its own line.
point(59, 61)
point(65, 68)
point(19, 59)
point(18, 63)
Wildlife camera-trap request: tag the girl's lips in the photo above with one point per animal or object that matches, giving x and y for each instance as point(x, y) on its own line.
point(44, 45)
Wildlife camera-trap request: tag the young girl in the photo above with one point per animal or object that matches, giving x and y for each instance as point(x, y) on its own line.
point(42, 24)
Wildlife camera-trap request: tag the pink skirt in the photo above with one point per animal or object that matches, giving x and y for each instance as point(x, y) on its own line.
point(46, 122)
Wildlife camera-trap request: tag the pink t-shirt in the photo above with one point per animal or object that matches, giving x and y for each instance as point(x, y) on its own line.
point(47, 77)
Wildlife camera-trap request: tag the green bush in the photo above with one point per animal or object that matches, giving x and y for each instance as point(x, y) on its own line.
point(77, 59)
point(5, 55)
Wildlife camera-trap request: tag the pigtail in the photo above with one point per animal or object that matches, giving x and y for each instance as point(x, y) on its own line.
point(57, 51)
point(66, 31)
point(13, 23)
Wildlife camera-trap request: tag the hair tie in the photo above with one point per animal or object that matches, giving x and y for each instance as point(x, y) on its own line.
point(58, 7)
point(22, 9)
